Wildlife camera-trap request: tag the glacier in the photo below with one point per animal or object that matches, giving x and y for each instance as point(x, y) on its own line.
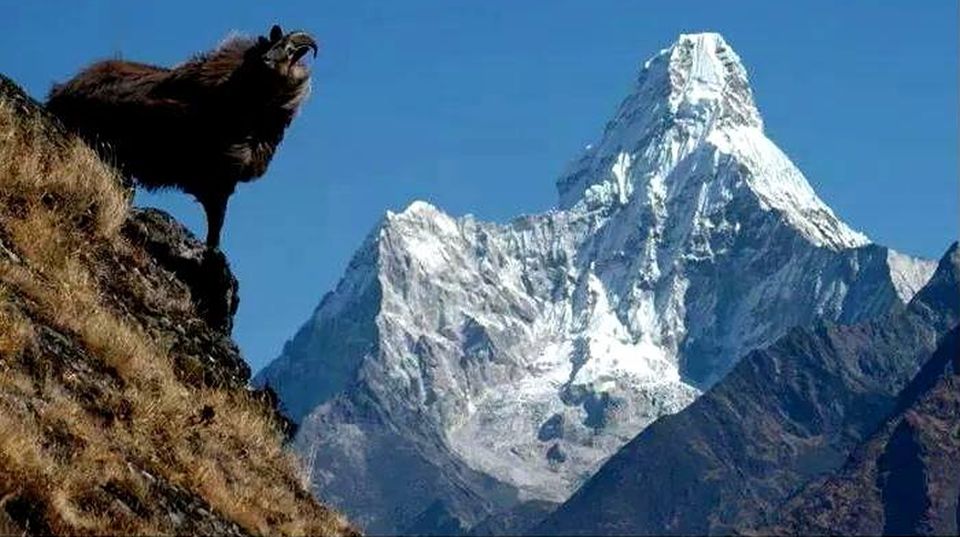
point(464, 369)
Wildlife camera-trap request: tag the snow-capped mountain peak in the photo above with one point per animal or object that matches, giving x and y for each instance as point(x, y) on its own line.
point(692, 108)
point(680, 95)
point(492, 364)
point(706, 80)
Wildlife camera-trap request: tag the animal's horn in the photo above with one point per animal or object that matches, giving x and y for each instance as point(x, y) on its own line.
point(302, 40)
point(276, 33)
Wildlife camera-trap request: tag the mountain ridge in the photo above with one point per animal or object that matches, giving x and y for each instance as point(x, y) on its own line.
point(786, 415)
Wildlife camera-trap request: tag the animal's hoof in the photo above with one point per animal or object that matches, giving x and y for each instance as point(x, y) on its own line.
point(213, 252)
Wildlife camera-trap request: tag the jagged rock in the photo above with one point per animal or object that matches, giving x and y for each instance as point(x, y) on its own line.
point(205, 272)
point(177, 259)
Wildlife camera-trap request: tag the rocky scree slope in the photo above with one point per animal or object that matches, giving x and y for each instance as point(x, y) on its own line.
point(124, 406)
point(462, 369)
point(786, 416)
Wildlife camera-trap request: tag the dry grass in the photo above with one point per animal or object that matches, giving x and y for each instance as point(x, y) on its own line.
point(61, 210)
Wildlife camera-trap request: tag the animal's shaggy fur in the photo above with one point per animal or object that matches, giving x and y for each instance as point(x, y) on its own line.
point(202, 126)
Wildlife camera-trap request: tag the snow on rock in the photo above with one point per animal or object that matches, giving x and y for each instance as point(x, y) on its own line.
point(462, 368)
point(907, 273)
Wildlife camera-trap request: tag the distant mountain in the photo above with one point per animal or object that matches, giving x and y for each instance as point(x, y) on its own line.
point(786, 416)
point(464, 369)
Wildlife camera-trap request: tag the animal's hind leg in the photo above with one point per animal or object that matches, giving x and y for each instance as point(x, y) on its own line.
point(216, 208)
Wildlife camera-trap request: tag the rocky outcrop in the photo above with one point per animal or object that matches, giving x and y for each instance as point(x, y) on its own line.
point(205, 272)
point(206, 278)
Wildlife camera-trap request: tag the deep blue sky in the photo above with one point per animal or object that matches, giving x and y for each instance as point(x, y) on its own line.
point(476, 107)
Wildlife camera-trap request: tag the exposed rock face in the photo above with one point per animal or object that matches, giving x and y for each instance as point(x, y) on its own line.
point(209, 282)
point(206, 272)
point(786, 415)
point(492, 365)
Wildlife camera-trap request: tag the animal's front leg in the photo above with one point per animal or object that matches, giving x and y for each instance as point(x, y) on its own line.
point(215, 205)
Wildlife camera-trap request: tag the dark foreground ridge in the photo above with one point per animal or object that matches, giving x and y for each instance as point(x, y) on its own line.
point(905, 479)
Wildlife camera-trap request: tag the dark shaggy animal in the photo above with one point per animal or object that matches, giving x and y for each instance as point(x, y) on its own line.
point(202, 126)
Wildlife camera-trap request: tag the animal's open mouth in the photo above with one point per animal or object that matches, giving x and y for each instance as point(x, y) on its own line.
point(300, 53)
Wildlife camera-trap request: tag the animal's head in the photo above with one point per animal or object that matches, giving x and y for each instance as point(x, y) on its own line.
point(281, 54)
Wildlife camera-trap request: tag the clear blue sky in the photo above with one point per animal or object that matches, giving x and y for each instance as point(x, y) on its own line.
point(476, 107)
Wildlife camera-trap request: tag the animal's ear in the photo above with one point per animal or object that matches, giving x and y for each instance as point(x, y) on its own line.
point(275, 33)
point(262, 42)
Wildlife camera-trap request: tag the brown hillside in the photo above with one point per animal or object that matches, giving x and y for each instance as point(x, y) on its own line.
point(121, 409)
